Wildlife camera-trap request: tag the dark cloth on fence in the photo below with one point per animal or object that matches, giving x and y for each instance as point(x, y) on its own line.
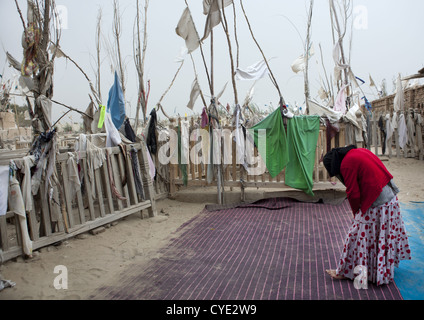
point(151, 133)
point(383, 133)
point(129, 132)
point(137, 176)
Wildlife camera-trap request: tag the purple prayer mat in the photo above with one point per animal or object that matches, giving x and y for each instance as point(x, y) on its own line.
point(274, 249)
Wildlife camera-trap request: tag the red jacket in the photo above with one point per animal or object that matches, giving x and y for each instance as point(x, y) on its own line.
point(365, 177)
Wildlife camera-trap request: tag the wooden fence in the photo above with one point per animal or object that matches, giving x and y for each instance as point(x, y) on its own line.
point(104, 197)
point(235, 175)
point(106, 194)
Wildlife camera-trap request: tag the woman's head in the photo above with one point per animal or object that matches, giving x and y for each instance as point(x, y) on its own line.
point(333, 161)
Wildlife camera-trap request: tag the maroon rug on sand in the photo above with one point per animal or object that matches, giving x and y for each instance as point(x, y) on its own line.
point(274, 249)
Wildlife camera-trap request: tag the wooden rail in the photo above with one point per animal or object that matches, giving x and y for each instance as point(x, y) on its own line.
point(95, 203)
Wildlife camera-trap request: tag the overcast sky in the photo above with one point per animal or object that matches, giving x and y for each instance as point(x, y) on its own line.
point(387, 40)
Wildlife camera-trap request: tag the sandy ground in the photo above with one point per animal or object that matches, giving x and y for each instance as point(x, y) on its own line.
point(93, 260)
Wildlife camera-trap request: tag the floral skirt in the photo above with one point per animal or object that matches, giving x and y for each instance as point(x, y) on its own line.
point(377, 240)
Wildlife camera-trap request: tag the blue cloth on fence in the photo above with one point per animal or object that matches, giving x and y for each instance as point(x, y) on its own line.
point(116, 103)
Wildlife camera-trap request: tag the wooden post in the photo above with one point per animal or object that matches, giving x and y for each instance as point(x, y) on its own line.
point(99, 192)
point(67, 197)
point(130, 178)
point(4, 241)
point(374, 133)
point(418, 130)
point(410, 114)
point(396, 133)
point(117, 178)
point(172, 171)
point(107, 185)
point(147, 181)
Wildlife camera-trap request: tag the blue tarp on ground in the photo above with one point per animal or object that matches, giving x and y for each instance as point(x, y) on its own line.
point(409, 277)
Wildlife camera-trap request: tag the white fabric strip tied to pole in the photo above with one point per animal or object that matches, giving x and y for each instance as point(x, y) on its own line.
point(395, 120)
point(25, 166)
point(185, 141)
point(322, 111)
point(300, 63)
point(340, 103)
point(207, 4)
point(113, 137)
point(399, 101)
point(254, 72)
point(73, 174)
point(212, 8)
point(239, 137)
point(322, 93)
point(410, 125)
point(403, 132)
point(389, 130)
point(46, 106)
point(16, 205)
point(195, 92)
point(339, 66)
point(337, 56)
point(187, 30)
point(152, 168)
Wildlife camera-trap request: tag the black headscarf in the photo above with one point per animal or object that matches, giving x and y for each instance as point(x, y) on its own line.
point(333, 161)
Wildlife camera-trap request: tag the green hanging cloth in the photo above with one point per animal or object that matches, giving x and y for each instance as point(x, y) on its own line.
point(302, 138)
point(276, 155)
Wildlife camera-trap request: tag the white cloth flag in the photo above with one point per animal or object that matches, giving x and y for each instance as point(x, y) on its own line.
point(221, 92)
point(403, 131)
point(337, 57)
point(340, 103)
point(300, 63)
point(249, 95)
point(195, 92)
point(185, 141)
point(322, 93)
point(46, 106)
point(113, 137)
point(16, 204)
point(410, 125)
point(254, 72)
point(372, 83)
point(207, 5)
point(186, 30)
point(182, 55)
point(395, 120)
point(389, 129)
point(213, 19)
point(339, 66)
point(152, 168)
point(399, 101)
point(322, 111)
point(239, 137)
